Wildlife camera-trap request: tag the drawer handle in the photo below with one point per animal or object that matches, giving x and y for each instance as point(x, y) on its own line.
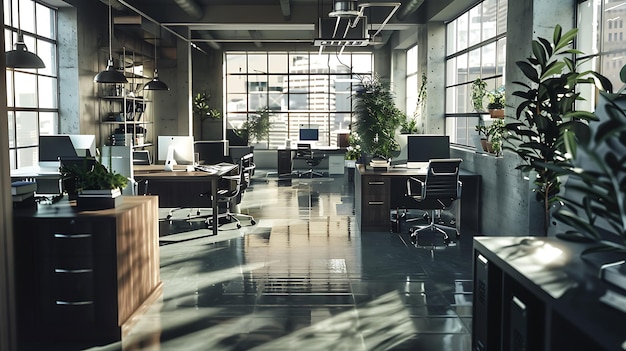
point(376, 183)
point(376, 203)
point(73, 271)
point(72, 236)
point(74, 303)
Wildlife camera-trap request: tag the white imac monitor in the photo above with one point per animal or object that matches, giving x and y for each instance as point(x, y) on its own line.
point(175, 149)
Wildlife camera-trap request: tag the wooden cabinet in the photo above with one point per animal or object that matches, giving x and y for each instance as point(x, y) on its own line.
point(535, 293)
point(83, 275)
point(372, 201)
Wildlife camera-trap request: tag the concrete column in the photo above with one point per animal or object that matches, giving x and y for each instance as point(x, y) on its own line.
point(69, 96)
point(435, 53)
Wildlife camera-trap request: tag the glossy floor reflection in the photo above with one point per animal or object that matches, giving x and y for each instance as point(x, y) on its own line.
point(304, 278)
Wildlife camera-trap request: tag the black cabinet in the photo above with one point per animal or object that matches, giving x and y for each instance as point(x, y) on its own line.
point(535, 293)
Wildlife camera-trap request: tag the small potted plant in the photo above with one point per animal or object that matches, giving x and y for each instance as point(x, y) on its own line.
point(496, 103)
point(97, 188)
point(478, 94)
point(492, 136)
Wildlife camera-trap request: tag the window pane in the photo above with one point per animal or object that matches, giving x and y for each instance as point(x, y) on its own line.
point(25, 95)
point(27, 129)
point(501, 16)
point(475, 28)
point(501, 56)
point(490, 8)
point(236, 83)
point(299, 63)
point(9, 77)
point(45, 21)
point(236, 63)
point(474, 66)
point(462, 31)
point(257, 63)
point(27, 157)
point(489, 58)
point(49, 99)
point(278, 62)
point(48, 123)
point(27, 15)
point(11, 123)
point(236, 102)
point(362, 63)
point(47, 52)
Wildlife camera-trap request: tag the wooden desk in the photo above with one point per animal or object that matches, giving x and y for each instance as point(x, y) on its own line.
point(180, 188)
point(378, 192)
point(85, 275)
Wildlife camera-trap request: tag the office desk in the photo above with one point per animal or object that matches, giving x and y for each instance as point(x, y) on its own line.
point(334, 157)
point(378, 192)
point(181, 188)
point(48, 182)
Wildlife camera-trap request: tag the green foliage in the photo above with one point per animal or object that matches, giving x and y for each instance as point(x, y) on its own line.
point(496, 99)
point(377, 118)
point(202, 108)
point(258, 125)
point(495, 133)
point(96, 177)
point(409, 126)
point(599, 184)
point(546, 117)
point(478, 94)
point(353, 152)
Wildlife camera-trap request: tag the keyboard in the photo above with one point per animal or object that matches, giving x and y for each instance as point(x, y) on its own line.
point(207, 168)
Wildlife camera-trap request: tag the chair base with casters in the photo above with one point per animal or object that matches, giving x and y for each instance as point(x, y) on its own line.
point(415, 230)
point(229, 217)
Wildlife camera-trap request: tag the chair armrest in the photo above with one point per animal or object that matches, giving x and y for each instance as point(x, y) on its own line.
point(410, 192)
point(459, 189)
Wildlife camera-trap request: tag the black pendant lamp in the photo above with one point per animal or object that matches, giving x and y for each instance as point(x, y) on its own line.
point(110, 74)
point(155, 83)
point(20, 57)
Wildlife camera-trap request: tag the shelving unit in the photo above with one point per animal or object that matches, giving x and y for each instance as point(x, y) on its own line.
point(125, 114)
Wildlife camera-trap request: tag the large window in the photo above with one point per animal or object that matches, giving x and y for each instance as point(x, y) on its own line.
point(475, 48)
point(411, 81)
point(32, 97)
point(300, 89)
point(601, 39)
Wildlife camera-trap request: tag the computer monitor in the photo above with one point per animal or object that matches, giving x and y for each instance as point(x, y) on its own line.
point(309, 134)
point(176, 149)
point(422, 148)
point(54, 147)
point(212, 152)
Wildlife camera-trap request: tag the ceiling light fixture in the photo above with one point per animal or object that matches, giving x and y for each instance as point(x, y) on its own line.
point(110, 74)
point(20, 57)
point(155, 83)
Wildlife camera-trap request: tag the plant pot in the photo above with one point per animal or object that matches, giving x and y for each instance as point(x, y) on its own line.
point(489, 147)
point(91, 200)
point(483, 143)
point(350, 163)
point(496, 113)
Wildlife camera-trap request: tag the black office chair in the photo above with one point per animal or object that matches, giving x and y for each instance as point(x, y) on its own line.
point(230, 188)
point(436, 192)
point(312, 159)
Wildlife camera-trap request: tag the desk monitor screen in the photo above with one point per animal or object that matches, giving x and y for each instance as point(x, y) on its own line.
point(54, 147)
point(309, 134)
point(422, 148)
point(178, 148)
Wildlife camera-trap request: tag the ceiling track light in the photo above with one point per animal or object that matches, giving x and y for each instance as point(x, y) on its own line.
point(110, 74)
point(20, 57)
point(155, 83)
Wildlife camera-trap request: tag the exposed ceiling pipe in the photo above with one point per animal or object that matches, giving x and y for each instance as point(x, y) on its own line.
point(114, 4)
point(140, 13)
point(191, 8)
point(285, 7)
point(210, 40)
point(409, 7)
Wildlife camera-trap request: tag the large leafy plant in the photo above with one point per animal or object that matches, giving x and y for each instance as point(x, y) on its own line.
point(546, 116)
point(258, 125)
point(93, 176)
point(377, 117)
point(597, 184)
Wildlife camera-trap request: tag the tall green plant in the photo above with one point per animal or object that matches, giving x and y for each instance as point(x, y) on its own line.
point(377, 117)
point(595, 196)
point(258, 125)
point(546, 116)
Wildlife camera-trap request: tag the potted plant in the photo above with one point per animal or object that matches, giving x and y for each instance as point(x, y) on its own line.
point(410, 125)
point(353, 151)
point(546, 117)
point(493, 136)
point(496, 103)
point(478, 94)
point(377, 118)
point(97, 188)
point(205, 112)
point(258, 126)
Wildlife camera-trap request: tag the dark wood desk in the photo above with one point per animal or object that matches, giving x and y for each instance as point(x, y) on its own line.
point(85, 275)
point(180, 188)
point(378, 192)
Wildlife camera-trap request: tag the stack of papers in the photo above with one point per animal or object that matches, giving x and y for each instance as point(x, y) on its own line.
point(23, 190)
point(379, 163)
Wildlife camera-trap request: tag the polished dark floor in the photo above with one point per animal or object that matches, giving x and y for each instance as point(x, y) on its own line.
point(305, 278)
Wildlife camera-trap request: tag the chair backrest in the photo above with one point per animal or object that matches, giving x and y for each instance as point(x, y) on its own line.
point(442, 179)
point(229, 186)
point(303, 150)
